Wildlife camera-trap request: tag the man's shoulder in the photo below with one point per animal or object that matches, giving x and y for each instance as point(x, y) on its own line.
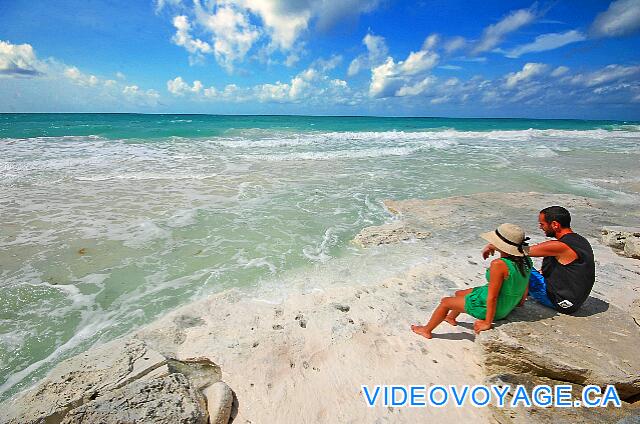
point(573, 237)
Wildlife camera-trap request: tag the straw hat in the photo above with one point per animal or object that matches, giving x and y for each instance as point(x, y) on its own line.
point(508, 238)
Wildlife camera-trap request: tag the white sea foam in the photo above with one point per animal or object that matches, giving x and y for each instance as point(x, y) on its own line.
point(542, 152)
point(320, 252)
point(339, 154)
point(235, 194)
point(139, 234)
point(182, 218)
point(144, 176)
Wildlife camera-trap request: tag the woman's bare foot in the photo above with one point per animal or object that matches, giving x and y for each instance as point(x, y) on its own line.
point(421, 329)
point(451, 320)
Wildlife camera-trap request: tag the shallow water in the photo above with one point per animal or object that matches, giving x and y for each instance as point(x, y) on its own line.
point(109, 221)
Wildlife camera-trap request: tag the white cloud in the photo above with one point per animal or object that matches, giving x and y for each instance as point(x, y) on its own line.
point(330, 12)
point(621, 18)
point(184, 39)
point(80, 78)
point(19, 60)
point(178, 87)
point(310, 85)
point(430, 42)
point(358, 64)
point(235, 26)
point(529, 71)
point(559, 71)
point(384, 80)
point(233, 34)
point(278, 92)
point(456, 43)
point(160, 4)
point(135, 94)
point(610, 73)
point(546, 42)
point(120, 76)
point(377, 52)
point(418, 88)
point(63, 84)
point(325, 65)
point(419, 62)
point(284, 25)
point(450, 67)
point(391, 78)
point(292, 59)
point(339, 83)
point(376, 46)
point(494, 34)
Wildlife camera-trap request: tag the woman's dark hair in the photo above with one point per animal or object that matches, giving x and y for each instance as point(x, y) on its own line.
point(558, 214)
point(523, 263)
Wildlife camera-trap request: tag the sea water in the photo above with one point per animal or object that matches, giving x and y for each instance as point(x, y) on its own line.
point(111, 220)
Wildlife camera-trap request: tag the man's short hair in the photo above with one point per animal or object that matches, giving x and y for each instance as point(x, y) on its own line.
point(558, 214)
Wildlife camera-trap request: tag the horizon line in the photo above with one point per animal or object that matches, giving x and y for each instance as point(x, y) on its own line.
point(313, 116)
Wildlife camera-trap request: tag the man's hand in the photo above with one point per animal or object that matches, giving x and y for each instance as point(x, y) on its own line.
point(481, 325)
point(488, 250)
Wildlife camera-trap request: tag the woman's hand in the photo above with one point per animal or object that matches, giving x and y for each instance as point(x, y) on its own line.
point(488, 250)
point(481, 325)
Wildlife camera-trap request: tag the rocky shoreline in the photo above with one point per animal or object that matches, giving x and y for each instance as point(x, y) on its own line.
point(303, 358)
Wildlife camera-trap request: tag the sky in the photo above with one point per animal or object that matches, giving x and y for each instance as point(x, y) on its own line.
point(455, 58)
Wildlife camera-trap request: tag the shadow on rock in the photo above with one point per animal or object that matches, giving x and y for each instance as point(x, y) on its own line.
point(455, 336)
point(592, 306)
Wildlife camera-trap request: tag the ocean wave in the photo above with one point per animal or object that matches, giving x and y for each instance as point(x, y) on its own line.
point(338, 154)
point(144, 176)
point(55, 138)
point(437, 138)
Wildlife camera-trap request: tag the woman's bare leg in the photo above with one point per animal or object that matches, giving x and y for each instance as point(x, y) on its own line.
point(447, 304)
point(452, 315)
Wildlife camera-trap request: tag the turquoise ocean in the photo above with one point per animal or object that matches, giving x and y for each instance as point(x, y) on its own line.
point(111, 220)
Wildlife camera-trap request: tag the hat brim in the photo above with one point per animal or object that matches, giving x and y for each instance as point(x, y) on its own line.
point(493, 238)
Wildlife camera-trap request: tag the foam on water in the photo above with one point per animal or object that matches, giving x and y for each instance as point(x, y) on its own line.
point(105, 234)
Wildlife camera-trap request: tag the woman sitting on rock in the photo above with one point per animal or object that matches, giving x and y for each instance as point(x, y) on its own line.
point(508, 278)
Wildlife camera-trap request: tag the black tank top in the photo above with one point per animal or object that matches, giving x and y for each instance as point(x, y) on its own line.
point(568, 286)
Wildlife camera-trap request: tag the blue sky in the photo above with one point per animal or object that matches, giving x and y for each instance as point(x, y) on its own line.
point(556, 59)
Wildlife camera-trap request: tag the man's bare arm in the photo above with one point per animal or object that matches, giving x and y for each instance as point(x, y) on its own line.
point(563, 253)
point(547, 248)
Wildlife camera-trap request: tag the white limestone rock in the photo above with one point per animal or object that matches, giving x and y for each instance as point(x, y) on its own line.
point(597, 345)
point(625, 239)
point(219, 402)
point(82, 378)
point(165, 400)
point(393, 232)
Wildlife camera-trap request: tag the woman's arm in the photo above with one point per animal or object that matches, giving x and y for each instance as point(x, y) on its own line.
point(498, 272)
point(524, 296)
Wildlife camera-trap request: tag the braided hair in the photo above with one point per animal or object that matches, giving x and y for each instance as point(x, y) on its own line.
point(523, 263)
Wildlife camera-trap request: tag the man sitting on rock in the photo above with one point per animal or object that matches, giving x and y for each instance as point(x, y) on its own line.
point(568, 268)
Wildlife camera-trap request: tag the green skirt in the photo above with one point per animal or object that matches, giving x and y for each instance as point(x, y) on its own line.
point(475, 304)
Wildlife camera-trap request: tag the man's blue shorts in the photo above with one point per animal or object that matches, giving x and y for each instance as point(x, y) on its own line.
point(538, 289)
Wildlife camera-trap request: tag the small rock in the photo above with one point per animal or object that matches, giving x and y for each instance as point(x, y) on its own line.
point(219, 402)
point(341, 307)
point(632, 247)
